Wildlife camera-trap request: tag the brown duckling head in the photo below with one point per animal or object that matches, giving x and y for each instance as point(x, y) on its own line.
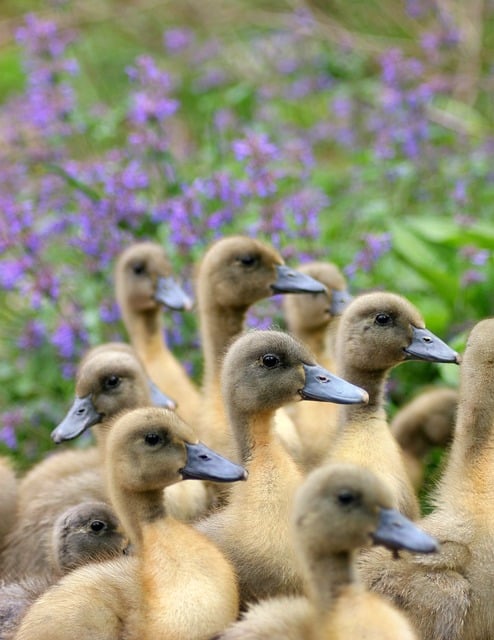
point(263, 370)
point(151, 448)
point(342, 507)
point(144, 280)
point(237, 271)
point(86, 532)
point(107, 382)
point(379, 330)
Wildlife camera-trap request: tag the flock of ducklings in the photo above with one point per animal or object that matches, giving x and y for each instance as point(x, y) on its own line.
point(274, 502)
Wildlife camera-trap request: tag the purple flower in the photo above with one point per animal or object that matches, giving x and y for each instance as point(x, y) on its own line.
point(33, 335)
point(375, 246)
point(176, 40)
point(64, 339)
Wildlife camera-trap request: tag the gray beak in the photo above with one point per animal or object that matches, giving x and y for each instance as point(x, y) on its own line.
point(324, 386)
point(427, 346)
point(171, 295)
point(81, 415)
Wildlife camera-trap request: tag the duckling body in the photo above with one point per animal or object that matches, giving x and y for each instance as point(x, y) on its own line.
point(234, 273)
point(144, 283)
point(177, 584)
point(450, 596)
point(313, 319)
point(338, 510)
point(262, 371)
point(377, 332)
point(85, 533)
point(425, 422)
point(99, 601)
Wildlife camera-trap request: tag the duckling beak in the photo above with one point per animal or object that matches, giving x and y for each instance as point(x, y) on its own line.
point(291, 281)
point(169, 293)
point(205, 464)
point(395, 532)
point(324, 386)
point(81, 415)
point(427, 346)
point(160, 399)
point(339, 301)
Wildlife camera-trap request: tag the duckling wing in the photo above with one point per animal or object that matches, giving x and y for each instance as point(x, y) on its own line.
point(432, 590)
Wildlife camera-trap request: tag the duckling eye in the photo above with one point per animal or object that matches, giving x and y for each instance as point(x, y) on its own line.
point(152, 439)
point(347, 497)
point(247, 260)
point(97, 526)
point(270, 361)
point(139, 268)
point(111, 382)
point(382, 319)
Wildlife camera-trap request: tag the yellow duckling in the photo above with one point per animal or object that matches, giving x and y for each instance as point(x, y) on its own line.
point(177, 585)
point(262, 371)
point(313, 319)
point(339, 510)
point(144, 284)
point(377, 332)
point(449, 596)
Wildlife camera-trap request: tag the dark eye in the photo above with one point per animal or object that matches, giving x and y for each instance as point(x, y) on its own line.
point(97, 526)
point(152, 439)
point(346, 497)
point(247, 260)
point(382, 319)
point(139, 268)
point(270, 360)
point(111, 382)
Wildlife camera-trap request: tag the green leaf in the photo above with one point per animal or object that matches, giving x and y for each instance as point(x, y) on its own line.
point(424, 259)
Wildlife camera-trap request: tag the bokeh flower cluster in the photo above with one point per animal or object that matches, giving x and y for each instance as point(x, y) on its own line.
point(368, 157)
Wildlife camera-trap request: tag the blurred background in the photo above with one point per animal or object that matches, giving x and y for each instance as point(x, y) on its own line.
point(357, 132)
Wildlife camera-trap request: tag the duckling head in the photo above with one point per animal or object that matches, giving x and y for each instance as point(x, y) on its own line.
point(379, 330)
point(144, 281)
point(86, 532)
point(263, 370)
point(237, 271)
point(342, 507)
point(306, 312)
point(108, 382)
point(151, 448)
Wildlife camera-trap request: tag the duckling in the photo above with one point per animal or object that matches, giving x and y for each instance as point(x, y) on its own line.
point(313, 319)
point(338, 510)
point(8, 503)
point(262, 371)
point(107, 382)
point(425, 422)
point(177, 585)
point(233, 274)
point(450, 596)
point(143, 284)
point(377, 332)
point(87, 532)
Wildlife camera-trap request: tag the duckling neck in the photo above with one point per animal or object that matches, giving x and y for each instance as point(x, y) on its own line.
point(219, 325)
point(374, 383)
point(135, 509)
point(146, 331)
point(253, 434)
point(471, 460)
point(328, 576)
